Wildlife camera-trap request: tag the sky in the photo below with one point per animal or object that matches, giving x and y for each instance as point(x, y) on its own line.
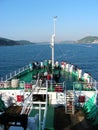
point(33, 19)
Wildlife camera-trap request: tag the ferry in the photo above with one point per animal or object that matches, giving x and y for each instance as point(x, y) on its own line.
point(49, 95)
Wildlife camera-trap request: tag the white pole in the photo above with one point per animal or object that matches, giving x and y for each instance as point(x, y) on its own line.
point(52, 52)
point(53, 41)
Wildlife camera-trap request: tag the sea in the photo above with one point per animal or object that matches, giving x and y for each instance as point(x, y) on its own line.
point(84, 56)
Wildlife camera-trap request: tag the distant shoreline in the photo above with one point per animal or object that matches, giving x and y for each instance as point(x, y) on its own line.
point(85, 40)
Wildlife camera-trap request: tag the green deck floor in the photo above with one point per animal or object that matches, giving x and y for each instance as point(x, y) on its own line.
point(49, 117)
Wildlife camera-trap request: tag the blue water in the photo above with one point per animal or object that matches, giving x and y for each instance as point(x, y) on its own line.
point(84, 56)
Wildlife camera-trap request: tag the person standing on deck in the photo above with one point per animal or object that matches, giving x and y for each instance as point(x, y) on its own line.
point(30, 67)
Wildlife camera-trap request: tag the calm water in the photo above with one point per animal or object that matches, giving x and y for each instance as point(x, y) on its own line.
point(84, 56)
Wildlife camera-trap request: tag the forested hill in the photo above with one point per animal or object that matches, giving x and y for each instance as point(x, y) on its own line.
point(8, 42)
point(89, 39)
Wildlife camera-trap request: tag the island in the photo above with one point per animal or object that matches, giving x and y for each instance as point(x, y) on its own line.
point(89, 39)
point(9, 42)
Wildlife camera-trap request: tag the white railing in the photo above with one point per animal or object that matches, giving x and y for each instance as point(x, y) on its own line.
point(58, 85)
point(13, 74)
point(84, 86)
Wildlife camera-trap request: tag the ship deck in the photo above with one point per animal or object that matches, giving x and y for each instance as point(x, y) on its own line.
point(56, 117)
point(29, 76)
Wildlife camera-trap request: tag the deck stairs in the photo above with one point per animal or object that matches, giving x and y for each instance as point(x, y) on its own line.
point(69, 109)
point(39, 106)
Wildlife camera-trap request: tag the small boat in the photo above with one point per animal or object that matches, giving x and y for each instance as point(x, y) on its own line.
point(48, 95)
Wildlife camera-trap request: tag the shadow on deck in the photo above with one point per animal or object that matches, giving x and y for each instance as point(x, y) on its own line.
point(63, 121)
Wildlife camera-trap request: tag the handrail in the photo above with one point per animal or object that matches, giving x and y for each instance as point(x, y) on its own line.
point(28, 100)
point(14, 73)
point(59, 85)
point(29, 104)
point(84, 86)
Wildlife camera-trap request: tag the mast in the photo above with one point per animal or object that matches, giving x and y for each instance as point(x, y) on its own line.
point(53, 41)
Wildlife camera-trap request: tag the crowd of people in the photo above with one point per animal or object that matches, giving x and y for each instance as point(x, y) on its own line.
point(64, 66)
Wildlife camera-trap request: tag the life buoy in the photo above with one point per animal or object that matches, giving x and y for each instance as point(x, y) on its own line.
point(1, 85)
